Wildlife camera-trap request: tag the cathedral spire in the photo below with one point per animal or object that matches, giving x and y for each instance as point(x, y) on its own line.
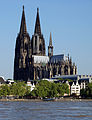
point(37, 24)
point(50, 42)
point(23, 28)
point(50, 47)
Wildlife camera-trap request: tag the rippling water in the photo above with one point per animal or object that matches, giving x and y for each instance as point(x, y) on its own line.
point(71, 110)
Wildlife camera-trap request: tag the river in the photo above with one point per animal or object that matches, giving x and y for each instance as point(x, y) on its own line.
point(66, 110)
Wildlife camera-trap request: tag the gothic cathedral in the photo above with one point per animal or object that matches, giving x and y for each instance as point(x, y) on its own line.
point(31, 61)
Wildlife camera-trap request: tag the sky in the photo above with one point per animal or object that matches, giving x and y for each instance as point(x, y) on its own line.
point(69, 21)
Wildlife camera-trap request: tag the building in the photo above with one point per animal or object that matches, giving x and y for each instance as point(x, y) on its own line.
point(9, 81)
point(2, 80)
point(31, 85)
point(81, 78)
point(30, 60)
point(78, 82)
point(75, 88)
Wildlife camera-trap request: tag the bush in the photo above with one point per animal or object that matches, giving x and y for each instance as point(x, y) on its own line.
point(16, 89)
point(47, 89)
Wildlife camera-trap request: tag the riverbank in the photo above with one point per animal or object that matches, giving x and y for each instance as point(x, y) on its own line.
point(40, 100)
point(25, 100)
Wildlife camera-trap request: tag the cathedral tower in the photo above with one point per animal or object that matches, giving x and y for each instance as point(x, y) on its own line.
point(22, 59)
point(50, 47)
point(30, 60)
point(38, 42)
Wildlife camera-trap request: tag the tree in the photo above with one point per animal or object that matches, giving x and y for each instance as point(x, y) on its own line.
point(19, 89)
point(87, 92)
point(48, 89)
point(90, 89)
point(83, 92)
point(69, 80)
point(60, 90)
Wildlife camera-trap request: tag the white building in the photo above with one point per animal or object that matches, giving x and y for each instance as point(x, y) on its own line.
point(32, 85)
point(75, 88)
point(10, 81)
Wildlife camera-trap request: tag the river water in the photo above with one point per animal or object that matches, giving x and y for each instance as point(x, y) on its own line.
point(71, 110)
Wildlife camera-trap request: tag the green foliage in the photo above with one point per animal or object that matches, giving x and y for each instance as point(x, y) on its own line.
point(16, 89)
point(69, 80)
point(43, 89)
point(61, 79)
point(4, 90)
point(63, 88)
point(90, 89)
point(48, 89)
point(87, 92)
point(83, 92)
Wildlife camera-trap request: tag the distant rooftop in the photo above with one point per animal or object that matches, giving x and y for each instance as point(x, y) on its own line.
point(73, 77)
point(57, 58)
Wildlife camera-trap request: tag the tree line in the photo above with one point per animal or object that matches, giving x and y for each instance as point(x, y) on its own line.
point(42, 89)
point(87, 92)
point(18, 89)
point(50, 89)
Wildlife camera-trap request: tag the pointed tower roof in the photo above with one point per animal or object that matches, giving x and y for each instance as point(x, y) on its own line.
point(70, 60)
point(50, 42)
point(23, 28)
point(37, 24)
point(68, 57)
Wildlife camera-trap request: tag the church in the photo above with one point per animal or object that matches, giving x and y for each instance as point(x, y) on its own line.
point(31, 62)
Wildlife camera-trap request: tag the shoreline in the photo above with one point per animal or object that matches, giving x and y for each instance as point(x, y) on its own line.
point(40, 100)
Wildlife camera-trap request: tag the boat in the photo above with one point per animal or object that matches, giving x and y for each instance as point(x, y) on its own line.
point(48, 99)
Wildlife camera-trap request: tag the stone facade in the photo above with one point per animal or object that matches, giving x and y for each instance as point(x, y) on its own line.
point(31, 61)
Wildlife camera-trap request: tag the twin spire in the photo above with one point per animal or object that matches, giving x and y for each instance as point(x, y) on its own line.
point(23, 28)
point(37, 24)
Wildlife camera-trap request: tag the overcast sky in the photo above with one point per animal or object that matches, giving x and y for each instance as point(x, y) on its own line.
point(69, 21)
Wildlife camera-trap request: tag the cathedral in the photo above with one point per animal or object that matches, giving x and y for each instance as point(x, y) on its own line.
point(31, 62)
